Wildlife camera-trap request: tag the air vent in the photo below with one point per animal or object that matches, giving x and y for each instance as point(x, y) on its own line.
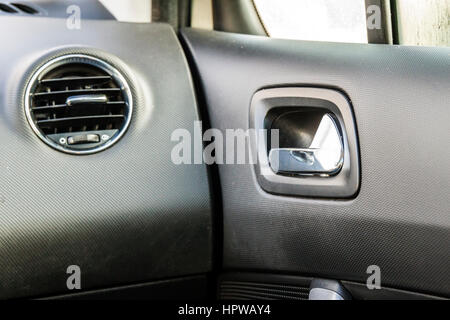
point(5, 8)
point(78, 104)
point(239, 290)
point(18, 8)
point(25, 8)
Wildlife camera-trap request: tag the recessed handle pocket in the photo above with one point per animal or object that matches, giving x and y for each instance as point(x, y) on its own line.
point(317, 147)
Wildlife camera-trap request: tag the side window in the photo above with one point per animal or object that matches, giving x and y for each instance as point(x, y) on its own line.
point(423, 22)
point(408, 22)
point(320, 20)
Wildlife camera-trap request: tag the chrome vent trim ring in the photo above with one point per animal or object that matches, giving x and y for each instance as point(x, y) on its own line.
point(88, 60)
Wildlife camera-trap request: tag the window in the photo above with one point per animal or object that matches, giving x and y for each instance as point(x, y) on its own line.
point(129, 10)
point(423, 22)
point(320, 20)
point(408, 22)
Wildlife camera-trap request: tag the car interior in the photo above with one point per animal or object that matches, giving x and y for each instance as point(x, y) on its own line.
point(194, 150)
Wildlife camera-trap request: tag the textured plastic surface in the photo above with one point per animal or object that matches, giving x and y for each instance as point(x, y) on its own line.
point(124, 215)
point(400, 220)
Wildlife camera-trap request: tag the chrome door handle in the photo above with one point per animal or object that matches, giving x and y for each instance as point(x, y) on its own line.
point(324, 157)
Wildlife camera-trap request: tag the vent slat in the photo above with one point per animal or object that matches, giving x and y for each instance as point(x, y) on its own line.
point(230, 289)
point(300, 292)
point(76, 80)
point(265, 295)
point(266, 285)
point(60, 120)
point(68, 93)
point(5, 8)
point(25, 8)
point(64, 106)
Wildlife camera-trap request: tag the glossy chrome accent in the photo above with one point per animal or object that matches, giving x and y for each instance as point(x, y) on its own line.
point(324, 157)
point(84, 59)
point(326, 289)
point(324, 294)
point(88, 98)
point(83, 138)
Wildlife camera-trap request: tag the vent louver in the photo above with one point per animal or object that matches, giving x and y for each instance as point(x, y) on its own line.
point(78, 104)
point(7, 9)
point(18, 9)
point(239, 290)
point(25, 8)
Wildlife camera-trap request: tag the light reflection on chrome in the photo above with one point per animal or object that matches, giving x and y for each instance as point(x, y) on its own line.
point(324, 157)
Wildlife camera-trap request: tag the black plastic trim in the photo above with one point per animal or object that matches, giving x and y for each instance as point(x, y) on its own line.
point(239, 16)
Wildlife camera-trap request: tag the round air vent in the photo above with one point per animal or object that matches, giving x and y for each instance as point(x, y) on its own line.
point(78, 104)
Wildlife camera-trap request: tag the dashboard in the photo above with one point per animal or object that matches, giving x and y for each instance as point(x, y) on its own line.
point(124, 215)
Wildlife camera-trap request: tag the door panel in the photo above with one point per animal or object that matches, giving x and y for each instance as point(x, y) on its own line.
point(399, 220)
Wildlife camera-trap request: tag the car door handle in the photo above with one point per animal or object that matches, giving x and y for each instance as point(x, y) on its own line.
point(324, 157)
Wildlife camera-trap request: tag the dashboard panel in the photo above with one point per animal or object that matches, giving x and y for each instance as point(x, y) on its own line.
point(124, 215)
